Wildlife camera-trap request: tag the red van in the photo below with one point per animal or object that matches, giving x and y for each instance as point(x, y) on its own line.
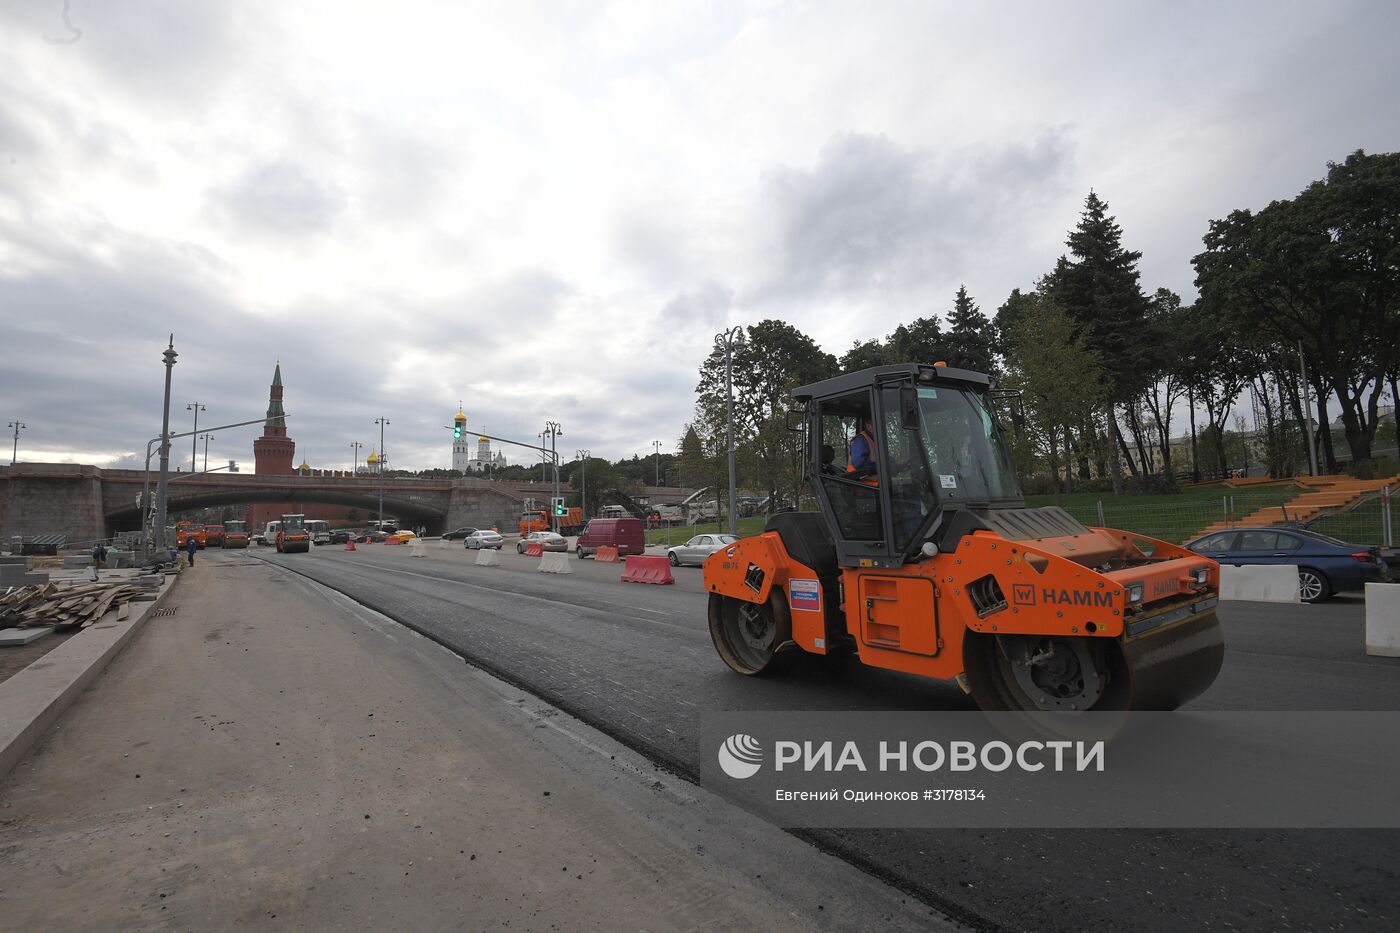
point(625, 534)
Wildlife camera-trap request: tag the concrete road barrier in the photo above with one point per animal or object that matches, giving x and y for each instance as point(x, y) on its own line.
point(643, 569)
point(1383, 619)
point(1276, 583)
point(415, 548)
point(488, 557)
point(534, 549)
point(554, 562)
point(606, 555)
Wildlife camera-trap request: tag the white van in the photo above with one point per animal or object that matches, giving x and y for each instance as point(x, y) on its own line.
point(269, 534)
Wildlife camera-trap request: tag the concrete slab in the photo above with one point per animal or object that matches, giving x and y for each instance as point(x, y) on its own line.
point(10, 559)
point(77, 560)
point(17, 637)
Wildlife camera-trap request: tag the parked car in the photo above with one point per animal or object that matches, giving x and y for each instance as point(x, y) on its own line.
point(483, 538)
point(342, 535)
point(698, 549)
point(458, 534)
point(550, 540)
point(367, 535)
point(625, 534)
point(1325, 564)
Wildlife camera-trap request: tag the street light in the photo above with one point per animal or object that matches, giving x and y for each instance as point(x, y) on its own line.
point(381, 421)
point(206, 437)
point(552, 429)
point(583, 456)
point(194, 444)
point(14, 453)
point(657, 445)
point(164, 485)
point(727, 341)
point(355, 464)
point(542, 473)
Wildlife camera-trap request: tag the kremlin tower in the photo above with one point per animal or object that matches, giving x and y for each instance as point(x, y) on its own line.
point(274, 451)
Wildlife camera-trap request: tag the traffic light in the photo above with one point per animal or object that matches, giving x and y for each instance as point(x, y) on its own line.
point(457, 431)
point(559, 509)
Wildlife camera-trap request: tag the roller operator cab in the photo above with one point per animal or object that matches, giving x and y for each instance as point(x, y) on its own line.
point(927, 561)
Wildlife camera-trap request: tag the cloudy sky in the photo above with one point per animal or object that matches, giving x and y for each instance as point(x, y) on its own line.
point(547, 210)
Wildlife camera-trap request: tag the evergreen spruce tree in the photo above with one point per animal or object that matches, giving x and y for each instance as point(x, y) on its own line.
point(971, 339)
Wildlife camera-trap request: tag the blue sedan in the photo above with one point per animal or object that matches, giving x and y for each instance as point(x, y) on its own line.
point(1325, 565)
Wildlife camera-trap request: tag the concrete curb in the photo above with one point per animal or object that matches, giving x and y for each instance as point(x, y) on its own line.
point(32, 700)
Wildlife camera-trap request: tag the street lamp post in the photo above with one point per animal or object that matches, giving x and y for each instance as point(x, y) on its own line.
point(657, 445)
point(355, 464)
point(728, 340)
point(194, 442)
point(552, 429)
point(206, 437)
point(164, 486)
point(381, 421)
point(583, 456)
point(542, 467)
point(14, 451)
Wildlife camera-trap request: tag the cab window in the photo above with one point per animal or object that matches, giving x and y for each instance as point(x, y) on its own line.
point(855, 505)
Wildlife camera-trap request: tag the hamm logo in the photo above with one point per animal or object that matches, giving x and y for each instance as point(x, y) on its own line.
point(741, 756)
point(1077, 597)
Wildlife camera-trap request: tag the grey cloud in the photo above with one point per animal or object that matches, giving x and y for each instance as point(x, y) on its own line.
point(704, 306)
point(279, 198)
point(167, 54)
point(873, 216)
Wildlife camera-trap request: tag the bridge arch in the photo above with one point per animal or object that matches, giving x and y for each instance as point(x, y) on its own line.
point(406, 510)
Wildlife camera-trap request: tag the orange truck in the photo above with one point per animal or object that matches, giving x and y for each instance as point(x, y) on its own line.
point(186, 530)
point(570, 523)
point(937, 568)
point(214, 535)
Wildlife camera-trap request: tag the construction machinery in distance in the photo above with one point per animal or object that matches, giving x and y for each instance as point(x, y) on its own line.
point(235, 535)
point(534, 518)
point(929, 562)
point(292, 536)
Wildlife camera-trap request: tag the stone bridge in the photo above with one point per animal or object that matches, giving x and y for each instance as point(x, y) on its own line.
point(88, 502)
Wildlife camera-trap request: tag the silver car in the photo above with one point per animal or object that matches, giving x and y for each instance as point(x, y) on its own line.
point(550, 540)
point(698, 549)
point(483, 538)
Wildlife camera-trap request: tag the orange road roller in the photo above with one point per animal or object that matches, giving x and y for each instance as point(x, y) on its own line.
point(925, 559)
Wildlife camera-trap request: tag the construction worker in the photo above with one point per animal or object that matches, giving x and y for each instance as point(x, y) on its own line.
point(862, 462)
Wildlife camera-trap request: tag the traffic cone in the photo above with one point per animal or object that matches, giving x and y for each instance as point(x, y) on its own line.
point(349, 544)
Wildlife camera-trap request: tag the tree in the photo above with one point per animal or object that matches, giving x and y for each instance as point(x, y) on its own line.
point(972, 339)
point(692, 460)
point(864, 354)
point(1321, 270)
point(775, 359)
point(1171, 340)
point(590, 484)
point(920, 341)
point(1060, 377)
point(1100, 292)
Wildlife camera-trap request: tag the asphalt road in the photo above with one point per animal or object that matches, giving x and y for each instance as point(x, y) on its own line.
point(636, 662)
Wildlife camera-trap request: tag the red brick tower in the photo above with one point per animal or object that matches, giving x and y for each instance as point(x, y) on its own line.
point(274, 451)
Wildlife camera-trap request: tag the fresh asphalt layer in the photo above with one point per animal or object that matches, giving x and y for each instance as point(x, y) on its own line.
point(636, 662)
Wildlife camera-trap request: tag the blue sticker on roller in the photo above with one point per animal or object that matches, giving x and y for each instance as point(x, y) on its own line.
point(805, 594)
